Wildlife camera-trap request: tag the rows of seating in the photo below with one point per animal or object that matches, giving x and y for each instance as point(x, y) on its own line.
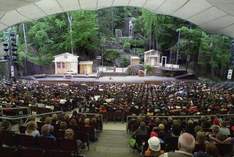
point(13, 145)
point(58, 133)
point(14, 140)
point(208, 132)
point(33, 152)
point(118, 100)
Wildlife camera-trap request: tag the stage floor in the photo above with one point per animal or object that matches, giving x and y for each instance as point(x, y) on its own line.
point(129, 79)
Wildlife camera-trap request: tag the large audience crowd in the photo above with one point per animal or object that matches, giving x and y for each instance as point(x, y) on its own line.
point(70, 133)
point(152, 134)
point(118, 100)
point(209, 136)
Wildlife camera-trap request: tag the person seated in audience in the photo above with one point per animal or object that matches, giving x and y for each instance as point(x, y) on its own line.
point(186, 145)
point(89, 128)
point(200, 142)
point(212, 150)
point(46, 132)
point(54, 121)
point(214, 133)
point(142, 130)
point(141, 136)
point(59, 133)
point(162, 134)
point(70, 135)
point(73, 124)
point(5, 127)
point(154, 132)
point(31, 129)
point(48, 121)
point(154, 148)
point(225, 131)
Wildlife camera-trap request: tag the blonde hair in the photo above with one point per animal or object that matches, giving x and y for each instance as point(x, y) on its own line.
point(87, 121)
point(31, 126)
point(48, 120)
point(200, 137)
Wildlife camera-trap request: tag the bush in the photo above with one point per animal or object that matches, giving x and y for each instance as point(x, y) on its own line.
point(149, 69)
point(111, 55)
point(126, 44)
point(124, 62)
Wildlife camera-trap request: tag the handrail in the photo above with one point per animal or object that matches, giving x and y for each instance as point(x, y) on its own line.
point(187, 116)
point(13, 108)
point(19, 108)
point(28, 116)
point(179, 116)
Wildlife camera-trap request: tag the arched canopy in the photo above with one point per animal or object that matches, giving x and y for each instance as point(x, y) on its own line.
point(212, 15)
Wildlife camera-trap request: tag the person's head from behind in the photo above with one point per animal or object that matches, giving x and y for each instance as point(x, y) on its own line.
point(54, 117)
point(200, 137)
point(48, 120)
point(66, 117)
point(69, 134)
point(74, 114)
point(154, 144)
point(212, 150)
point(45, 130)
point(31, 126)
point(87, 121)
point(63, 125)
point(186, 142)
point(5, 126)
point(155, 129)
point(215, 129)
point(142, 125)
point(161, 127)
point(73, 122)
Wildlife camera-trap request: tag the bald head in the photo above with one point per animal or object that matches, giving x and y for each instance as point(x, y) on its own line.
point(186, 142)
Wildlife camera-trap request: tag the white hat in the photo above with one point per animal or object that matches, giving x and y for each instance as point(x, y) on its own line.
point(154, 143)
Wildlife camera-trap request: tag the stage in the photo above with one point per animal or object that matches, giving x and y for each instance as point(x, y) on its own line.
point(105, 79)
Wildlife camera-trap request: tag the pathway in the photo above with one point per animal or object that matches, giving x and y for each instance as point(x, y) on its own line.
point(112, 142)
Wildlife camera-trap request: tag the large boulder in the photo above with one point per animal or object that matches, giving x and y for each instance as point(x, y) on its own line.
point(134, 69)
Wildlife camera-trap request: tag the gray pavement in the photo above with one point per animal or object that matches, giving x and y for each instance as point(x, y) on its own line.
point(112, 142)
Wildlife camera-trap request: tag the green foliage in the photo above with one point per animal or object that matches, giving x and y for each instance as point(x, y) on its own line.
point(126, 44)
point(110, 55)
point(215, 54)
point(149, 69)
point(137, 42)
point(51, 36)
point(209, 52)
point(92, 30)
point(124, 62)
point(159, 30)
point(1, 36)
point(46, 38)
point(85, 36)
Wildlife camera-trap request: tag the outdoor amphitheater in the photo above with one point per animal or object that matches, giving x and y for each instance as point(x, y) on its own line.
point(116, 78)
point(115, 119)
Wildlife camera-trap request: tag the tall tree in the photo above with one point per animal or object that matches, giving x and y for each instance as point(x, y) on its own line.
point(84, 33)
